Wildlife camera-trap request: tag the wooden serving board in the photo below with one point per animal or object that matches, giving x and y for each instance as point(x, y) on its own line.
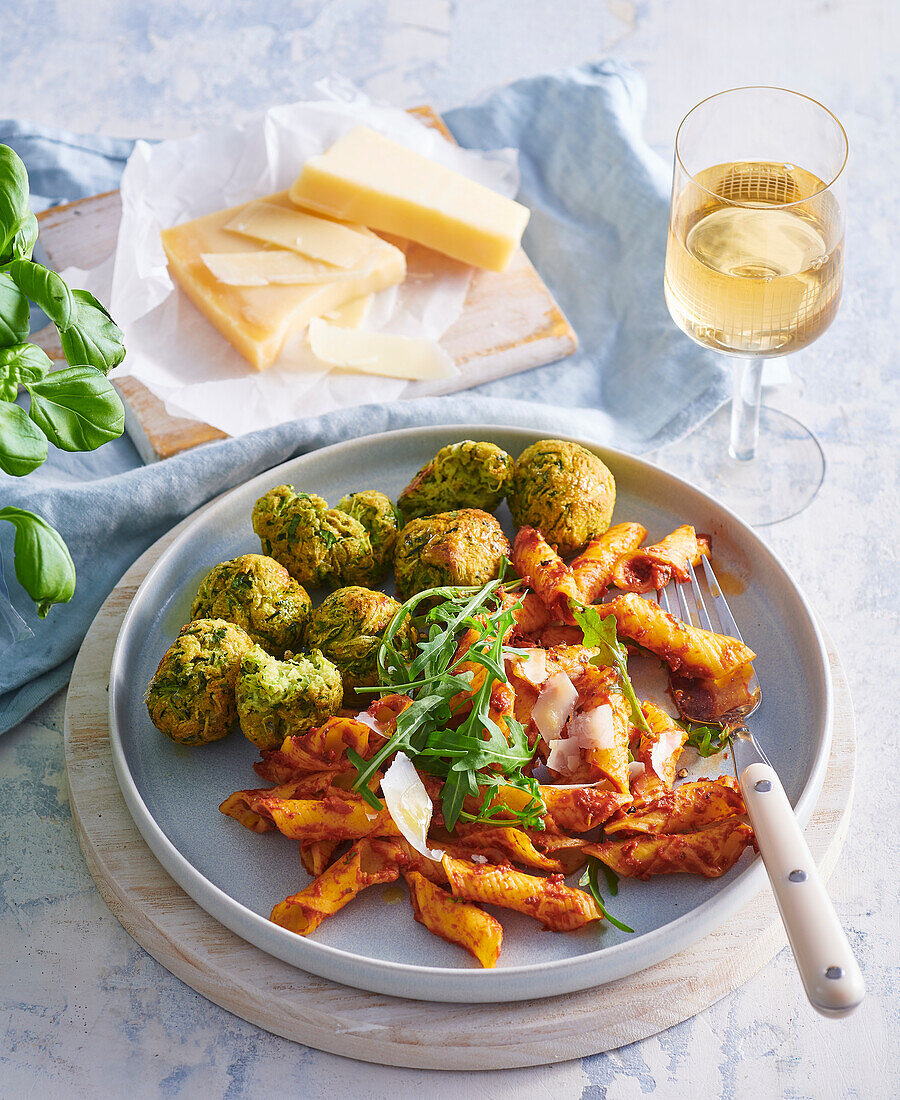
point(510, 321)
point(382, 1029)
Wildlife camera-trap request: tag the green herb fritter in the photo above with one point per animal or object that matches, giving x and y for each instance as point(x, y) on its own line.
point(461, 475)
point(564, 491)
point(378, 515)
point(257, 594)
point(348, 627)
point(316, 544)
point(191, 698)
point(278, 699)
point(465, 547)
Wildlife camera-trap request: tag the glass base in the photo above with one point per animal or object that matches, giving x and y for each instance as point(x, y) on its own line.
point(778, 483)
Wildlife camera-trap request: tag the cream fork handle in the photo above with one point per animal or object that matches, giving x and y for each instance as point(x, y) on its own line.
point(830, 974)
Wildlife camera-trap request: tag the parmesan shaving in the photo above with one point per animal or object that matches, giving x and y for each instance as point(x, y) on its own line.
point(554, 706)
point(409, 804)
point(272, 268)
point(663, 750)
point(533, 668)
point(381, 353)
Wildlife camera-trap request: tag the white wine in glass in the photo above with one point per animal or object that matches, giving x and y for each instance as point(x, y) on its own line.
point(754, 267)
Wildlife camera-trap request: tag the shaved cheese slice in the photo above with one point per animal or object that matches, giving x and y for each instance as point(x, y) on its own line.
point(408, 804)
point(272, 267)
point(635, 770)
point(554, 706)
point(318, 238)
point(594, 729)
point(663, 749)
point(379, 352)
point(564, 756)
point(368, 720)
point(351, 314)
point(533, 667)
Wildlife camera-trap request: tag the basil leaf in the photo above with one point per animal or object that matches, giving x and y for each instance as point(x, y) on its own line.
point(23, 447)
point(92, 336)
point(25, 238)
point(76, 408)
point(19, 364)
point(14, 209)
point(45, 288)
point(15, 323)
point(43, 564)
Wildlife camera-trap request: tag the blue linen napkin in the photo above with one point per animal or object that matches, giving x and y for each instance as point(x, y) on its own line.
point(599, 200)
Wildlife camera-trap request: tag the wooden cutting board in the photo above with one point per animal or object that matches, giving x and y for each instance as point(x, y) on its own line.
point(391, 1030)
point(510, 321)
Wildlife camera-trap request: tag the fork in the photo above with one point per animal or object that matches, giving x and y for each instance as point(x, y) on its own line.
point(830, 974)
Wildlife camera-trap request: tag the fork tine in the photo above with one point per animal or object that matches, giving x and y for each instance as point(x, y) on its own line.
point(705, 620)
point(663, 597)
point(686, 614)
point(726, 619)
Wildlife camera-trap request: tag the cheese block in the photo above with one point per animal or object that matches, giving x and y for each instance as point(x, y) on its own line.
point(368, 179)
point(381, 353)
point(258, 320)
point(335, 244)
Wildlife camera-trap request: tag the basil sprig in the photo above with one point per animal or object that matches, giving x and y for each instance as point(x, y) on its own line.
point(75, 409)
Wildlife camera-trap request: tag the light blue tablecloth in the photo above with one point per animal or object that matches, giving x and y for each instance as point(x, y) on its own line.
point(599, 199)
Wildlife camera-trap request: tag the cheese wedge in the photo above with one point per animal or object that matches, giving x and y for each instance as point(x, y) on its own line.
point(317, 238)
point(379, 352)
point(258, 320)
point(367, 179)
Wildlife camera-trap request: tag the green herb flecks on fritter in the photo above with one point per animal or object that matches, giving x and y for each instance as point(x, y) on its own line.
point(316, 544)
point(564, 491)
point(278, 699)
point(191, 698)
point(380, 518)
point(461, 475)
point(259, 595)
point(348, 627)
point(465, 547)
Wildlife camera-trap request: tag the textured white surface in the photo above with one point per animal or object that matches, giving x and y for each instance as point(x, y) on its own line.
point(82, 1008)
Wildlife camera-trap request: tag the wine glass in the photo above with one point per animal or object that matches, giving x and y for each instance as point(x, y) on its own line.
point(754, 266)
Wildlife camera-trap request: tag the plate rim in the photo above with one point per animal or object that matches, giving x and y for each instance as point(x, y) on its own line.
point(457, 984)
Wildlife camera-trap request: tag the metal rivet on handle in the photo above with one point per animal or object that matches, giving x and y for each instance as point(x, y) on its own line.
point(763, 786)
point(834, 972)
point(797, 876)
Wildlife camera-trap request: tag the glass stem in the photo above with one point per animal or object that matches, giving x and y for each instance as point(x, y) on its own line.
point(745, 408)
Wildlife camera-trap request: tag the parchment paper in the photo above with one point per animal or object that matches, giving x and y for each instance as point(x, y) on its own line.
point(172, 348)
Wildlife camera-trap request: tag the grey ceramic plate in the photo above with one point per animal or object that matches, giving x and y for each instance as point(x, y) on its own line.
point(237, 876)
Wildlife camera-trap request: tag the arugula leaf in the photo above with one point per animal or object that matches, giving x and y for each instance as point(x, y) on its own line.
point(600, 633)
point(589, 879)
point(707, 740)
